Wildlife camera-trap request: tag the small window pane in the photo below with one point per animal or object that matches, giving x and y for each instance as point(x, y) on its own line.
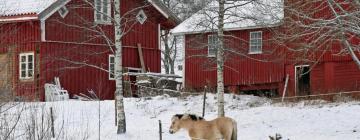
point(30, 58)
point(30, 73)
point(105, 9)
point(112, 59)
point(23, 74)
point(30, 66)
point(23, 66)
point(23, 58)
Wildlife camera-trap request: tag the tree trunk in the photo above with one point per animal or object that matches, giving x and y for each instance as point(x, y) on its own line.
point(220, 60)
point(121, 124)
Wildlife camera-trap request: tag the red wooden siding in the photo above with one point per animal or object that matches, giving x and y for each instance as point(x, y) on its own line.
point(63, 29)
point(247, 71)
point(19, 37)
point(77, 78)
point(63, 40)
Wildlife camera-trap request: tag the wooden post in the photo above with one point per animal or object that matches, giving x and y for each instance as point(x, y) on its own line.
point(115, 114)
point(204, 102)
point(143, 68)
point(285, 87)
point(160, 130)
point(52, 122)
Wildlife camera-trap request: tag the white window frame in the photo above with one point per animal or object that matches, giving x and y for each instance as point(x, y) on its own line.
point(26, 77)
point(66, 11)
point(111, 72)
point(100, 12)
point(258, 46)
point(210, 44)
point(144, 17)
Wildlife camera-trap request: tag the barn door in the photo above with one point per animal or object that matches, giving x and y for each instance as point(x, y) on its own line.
point(4, 75)
point(302, 80)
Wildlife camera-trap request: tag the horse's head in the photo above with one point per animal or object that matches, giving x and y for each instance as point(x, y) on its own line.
point(175, 123)
point(178, 119)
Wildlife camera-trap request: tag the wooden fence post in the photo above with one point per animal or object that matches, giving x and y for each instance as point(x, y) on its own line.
point(160, 130)
point(52, 122)
point(204, 102)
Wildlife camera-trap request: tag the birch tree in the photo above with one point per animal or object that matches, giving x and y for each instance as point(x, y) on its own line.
point(220, 60)
point(121, 124)
point(217, 18)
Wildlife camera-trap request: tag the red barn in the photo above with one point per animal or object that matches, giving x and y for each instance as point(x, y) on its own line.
point(255, 63)
point(74, 40)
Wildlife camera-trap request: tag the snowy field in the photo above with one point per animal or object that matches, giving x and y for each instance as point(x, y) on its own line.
point(257, 118)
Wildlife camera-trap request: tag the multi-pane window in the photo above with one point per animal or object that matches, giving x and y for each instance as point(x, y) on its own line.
point(255, 42)
point(26, 64)
point(213, 41)
point(111, 67)
point(102, 11)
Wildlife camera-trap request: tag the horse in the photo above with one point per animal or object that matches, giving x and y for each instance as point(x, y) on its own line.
point(200, 129)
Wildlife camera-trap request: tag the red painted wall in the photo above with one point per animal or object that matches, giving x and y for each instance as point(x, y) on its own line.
point(248, 71)
point(75, 44)
point(20, 37)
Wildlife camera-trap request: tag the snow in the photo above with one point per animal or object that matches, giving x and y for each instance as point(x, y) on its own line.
point(257, 118)
point(243, 15)
point(22, 7)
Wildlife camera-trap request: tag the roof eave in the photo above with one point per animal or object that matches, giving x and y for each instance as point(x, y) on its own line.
point(23, 18)
point(43, 15)
point(227, 29)
point(165, 11)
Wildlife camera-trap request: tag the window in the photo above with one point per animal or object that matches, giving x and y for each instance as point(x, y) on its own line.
point(212, 44)
point(111, 67)
point(26, 64)
point(63, 11)
point(180, 67)
point(255, 42)
point(141, 17)
point(102, 11)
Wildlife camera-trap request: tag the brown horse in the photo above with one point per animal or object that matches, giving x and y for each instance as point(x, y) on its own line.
point(199, 129)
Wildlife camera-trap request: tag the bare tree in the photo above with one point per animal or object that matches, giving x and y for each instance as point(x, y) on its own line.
point(170, 47)
point(221, 15)
point(316, 27)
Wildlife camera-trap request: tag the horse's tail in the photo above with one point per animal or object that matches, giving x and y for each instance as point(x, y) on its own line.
point(234, 131)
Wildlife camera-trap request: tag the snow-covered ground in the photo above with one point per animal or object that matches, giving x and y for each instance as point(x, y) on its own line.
point(257, 118)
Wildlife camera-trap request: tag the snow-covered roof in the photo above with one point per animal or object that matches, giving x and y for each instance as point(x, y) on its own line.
point(23, 7)
point(242, 14)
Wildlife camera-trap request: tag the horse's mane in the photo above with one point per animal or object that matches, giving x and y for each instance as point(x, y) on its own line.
point(191, 116)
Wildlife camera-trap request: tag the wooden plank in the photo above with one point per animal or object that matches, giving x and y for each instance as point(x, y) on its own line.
point(3, 71)
point(141, 58)
point(285, 87)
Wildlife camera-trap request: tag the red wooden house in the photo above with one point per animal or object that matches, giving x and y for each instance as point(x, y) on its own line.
point(74, 40)
point(255, 63)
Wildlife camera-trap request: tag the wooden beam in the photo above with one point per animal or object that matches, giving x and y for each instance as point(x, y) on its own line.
point(285, 87)
point(141, 57)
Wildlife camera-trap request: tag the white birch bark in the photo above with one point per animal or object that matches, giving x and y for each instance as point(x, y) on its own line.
point(120, 112)
point(220, 60)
